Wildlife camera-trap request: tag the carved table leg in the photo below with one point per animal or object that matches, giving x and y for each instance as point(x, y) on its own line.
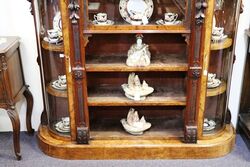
point(29, 99)
point(13, 115)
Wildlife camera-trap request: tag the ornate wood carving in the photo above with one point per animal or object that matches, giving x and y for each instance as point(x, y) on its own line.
point(78, 72)
point(86, 39)
point(187, 38)
point(13, 115)
point(196, 70)
point(82, 135)
point(74, 9)
point(3, 64)
point(200, 11)
point(190, 134)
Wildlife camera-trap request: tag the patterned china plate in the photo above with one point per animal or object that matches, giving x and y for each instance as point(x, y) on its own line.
point(133, 11)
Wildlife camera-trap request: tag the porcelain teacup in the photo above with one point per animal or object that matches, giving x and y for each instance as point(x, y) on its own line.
point(211, 77)
point(101, 17)
point(53, 34)
point(65, 121)
point(62, 79)
point(218, 31)
point(170, 17)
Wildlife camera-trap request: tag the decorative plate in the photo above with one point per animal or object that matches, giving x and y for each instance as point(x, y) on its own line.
point(133, 11)
point(57, 22)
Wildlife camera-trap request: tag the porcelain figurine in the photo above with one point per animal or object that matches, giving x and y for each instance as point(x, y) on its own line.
point(138, 54)
point(218, 34)
point(212, 81)
point(135, 90)
point(133, 124)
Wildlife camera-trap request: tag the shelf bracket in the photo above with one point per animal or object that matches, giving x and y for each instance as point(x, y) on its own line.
point(190, 134)
point(82, 135)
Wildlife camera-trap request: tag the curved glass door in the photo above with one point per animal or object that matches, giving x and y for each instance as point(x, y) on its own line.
point(54, 67)
point(220, 65)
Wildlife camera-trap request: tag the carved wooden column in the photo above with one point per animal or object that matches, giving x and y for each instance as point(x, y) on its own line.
point(74, 53)
point(195, 70)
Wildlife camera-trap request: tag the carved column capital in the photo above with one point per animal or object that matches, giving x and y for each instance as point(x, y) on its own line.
point(74, 9)
point(200, 11)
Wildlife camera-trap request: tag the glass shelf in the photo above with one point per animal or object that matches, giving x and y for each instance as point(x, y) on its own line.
point(52, 47)
point(217, 91)
point(222, 45)
point(55, 92)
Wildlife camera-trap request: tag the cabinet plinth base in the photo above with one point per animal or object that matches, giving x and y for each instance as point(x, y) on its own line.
point(137, 149)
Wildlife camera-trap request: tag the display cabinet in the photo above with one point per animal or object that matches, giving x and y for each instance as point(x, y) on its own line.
point(131, 79)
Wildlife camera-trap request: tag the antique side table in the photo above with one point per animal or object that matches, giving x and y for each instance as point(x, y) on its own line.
point(12, 87)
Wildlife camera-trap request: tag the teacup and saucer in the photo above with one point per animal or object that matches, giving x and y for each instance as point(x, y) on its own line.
point(102, 19)
point(54, 37)
point(63, 125)
point(212, 81)
point(169, 19)
point(60, 83)
point(218, 34)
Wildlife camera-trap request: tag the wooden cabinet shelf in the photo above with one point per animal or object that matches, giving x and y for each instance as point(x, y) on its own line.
point(52, 47)
point(126, 28)
point(111, 129)
point(55, 92)
point(222, 45)
point(217, 91)
point(171, 62)
point(107, 95)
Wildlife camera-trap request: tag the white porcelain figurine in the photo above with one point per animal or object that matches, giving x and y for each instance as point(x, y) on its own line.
point(138, 54)
point(135, 90)
point(133, 124)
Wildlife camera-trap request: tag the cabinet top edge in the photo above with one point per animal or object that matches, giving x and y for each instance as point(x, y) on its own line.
point(7, 42)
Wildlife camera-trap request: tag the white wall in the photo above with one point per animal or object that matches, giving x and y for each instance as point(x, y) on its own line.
point(238, 69)
point(16, 20)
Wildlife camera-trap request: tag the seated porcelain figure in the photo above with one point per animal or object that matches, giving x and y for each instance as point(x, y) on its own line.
point(138, 54)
